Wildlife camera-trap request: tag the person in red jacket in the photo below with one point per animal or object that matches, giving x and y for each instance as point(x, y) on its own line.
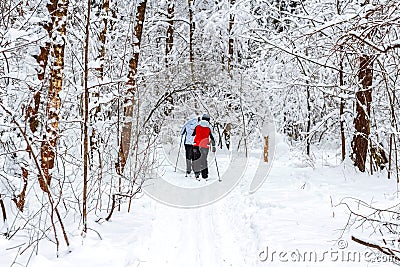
point(203, 135)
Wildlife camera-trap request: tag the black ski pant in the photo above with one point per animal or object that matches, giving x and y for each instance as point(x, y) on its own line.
point(200, 164)
point(189, 157)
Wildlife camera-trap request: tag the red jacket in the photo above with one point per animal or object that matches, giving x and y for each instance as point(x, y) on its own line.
point(202, 135)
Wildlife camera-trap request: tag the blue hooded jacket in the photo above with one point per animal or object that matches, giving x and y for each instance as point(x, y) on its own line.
point(188, 129)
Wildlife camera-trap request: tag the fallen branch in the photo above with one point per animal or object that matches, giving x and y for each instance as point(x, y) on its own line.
point(3, 209)
point(138, 190)
point(384, 250)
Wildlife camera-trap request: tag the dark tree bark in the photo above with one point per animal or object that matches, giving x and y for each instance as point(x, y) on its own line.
point(230, 41)
point(20, 199)
point(363, 107)
point(169, 42)
point(32, 112)
point(341, 110)
point(102, 38)
point(191, 31)
point(42, 60)
point(86, 123)
point(308, 129)
point(58, 11)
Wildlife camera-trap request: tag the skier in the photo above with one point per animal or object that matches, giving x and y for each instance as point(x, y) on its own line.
point(187, 130)
point(203, 134)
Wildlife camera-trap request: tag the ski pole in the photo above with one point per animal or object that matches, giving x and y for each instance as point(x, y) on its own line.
point(216, 164)
point(180, 145)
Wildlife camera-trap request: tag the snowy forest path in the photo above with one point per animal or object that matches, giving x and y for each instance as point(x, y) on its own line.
point(201, 237)
point(293, 211)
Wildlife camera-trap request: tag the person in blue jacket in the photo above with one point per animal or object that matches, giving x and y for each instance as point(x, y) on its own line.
point(187, 131)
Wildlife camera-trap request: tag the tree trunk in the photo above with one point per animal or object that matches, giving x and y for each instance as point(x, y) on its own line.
point(393, 141)
point(57, 29)
point(32, 112)
point(341, 109)
point(130, 99)
point(230, 41)
point(102, 52)
point(363, 108)
point(191, 32)
point(86, 123)
point(42, 60)
point(169, 42)
point(309, 136)
point(20, 199)
point(58, 11)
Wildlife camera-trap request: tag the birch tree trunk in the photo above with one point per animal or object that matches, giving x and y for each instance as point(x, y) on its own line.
point(131, 84)
point(363, 108)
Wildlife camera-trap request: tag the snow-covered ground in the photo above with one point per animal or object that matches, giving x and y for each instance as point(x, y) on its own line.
point(292, 214)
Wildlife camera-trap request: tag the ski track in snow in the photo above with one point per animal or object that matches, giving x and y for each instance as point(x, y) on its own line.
point(199, 237)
